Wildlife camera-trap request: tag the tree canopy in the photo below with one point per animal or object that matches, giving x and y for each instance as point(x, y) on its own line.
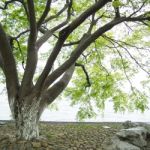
point(107, 41)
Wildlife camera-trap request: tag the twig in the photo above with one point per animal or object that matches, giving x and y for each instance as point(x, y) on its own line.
point(85, 72)
point(128, 54)
point(9, 2)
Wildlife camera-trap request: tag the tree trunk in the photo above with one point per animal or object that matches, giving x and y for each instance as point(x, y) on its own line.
point(27, 119)
point(27, 126)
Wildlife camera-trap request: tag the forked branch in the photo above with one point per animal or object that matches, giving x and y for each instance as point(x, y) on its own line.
point(45, 13)
point(31, 52)
point(63, 36)
point(79, 50)
point(51, 94)
point(57, 14)
point(50, 32)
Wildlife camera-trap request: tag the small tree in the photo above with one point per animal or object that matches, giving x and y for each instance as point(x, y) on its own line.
point(80, 33)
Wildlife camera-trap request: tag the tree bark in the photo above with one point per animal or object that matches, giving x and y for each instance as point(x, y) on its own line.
point(26, 120)
point(27, 127)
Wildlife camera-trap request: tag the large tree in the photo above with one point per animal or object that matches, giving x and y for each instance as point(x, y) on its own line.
point(83, 34)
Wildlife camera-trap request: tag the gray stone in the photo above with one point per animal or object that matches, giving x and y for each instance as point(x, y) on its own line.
point(136, 136)
point(129, 124)
point(2, 123)
point(117, 144)
point(106, 127)
point(146, 126)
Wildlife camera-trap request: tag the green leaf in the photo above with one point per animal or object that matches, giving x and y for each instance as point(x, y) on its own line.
point(117, 3)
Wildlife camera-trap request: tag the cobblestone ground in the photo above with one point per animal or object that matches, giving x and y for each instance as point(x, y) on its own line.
point(60, 136)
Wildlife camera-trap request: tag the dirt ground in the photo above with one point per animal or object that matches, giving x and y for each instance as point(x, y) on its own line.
point(72, 136)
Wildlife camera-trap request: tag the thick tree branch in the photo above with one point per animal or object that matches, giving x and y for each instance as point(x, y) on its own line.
point(21, 53)
point(93, 22)
point(32, 22)
point(48, 34)
point(26, 9)
point(72, 43)
point(51, 94)
point(79, 20)
point(31, 52)
point(45, 13)
point(9, 65)
point(69, 3)
point(49, 64)
point(59, 86)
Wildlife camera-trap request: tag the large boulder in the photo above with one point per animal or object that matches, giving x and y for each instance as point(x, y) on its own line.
point(129, 124)
point(117, 144)
point(136, 136)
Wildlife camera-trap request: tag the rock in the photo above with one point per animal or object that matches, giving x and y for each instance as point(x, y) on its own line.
point(136, 136)
point(36, 144)
point(44, 144)
point(2, 123)
point(129, 124)
point(106, 127)
point(146, 126)
point(117, 144)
